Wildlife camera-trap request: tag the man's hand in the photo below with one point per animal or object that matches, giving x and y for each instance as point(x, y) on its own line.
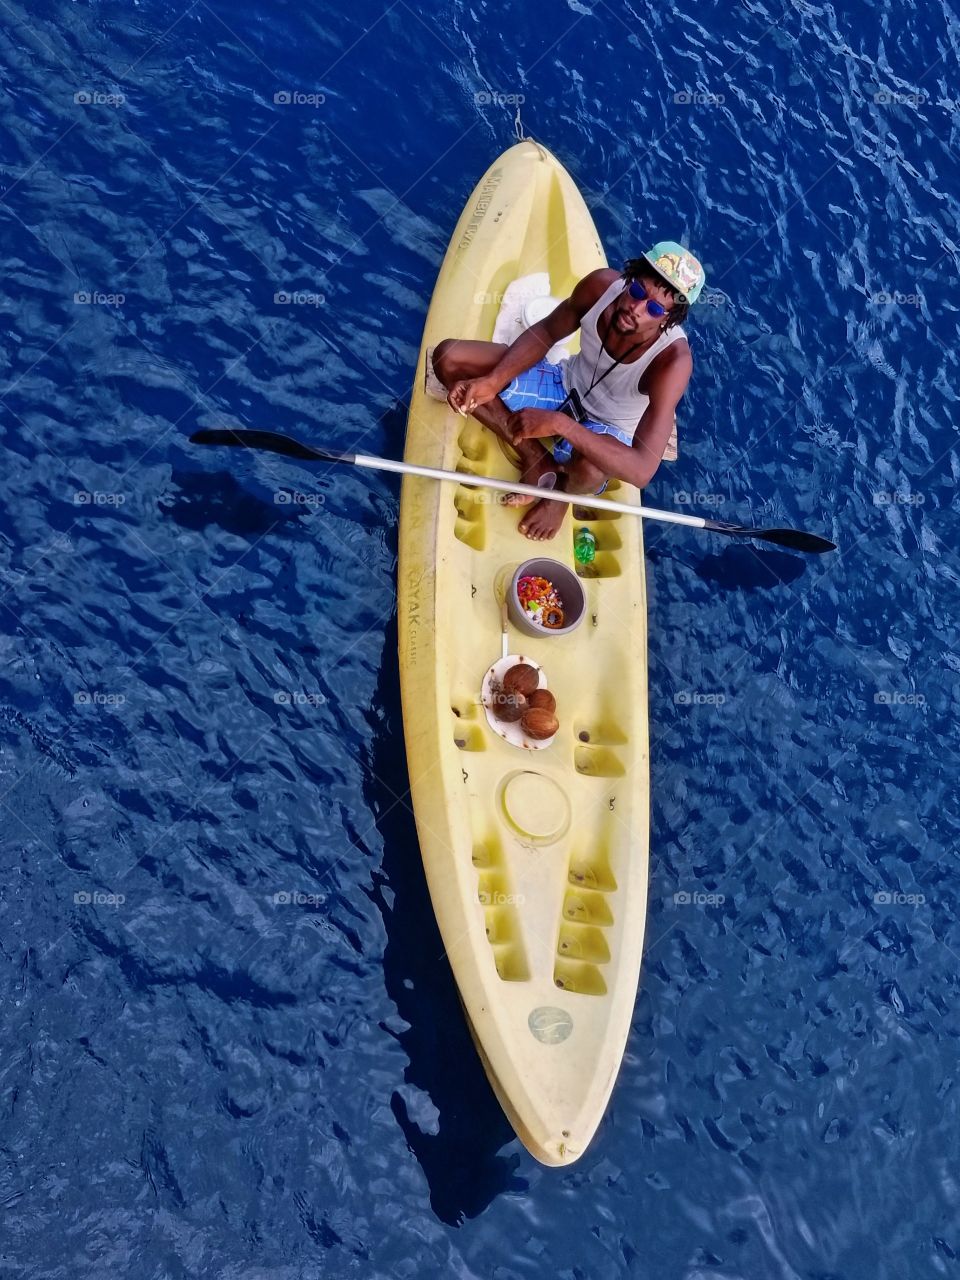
point(468, 395)
point(532, 424)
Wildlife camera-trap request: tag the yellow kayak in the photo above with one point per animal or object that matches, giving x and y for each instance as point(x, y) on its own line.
point(536, 860)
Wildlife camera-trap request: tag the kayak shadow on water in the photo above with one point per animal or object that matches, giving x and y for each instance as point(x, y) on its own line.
point(460, 1160)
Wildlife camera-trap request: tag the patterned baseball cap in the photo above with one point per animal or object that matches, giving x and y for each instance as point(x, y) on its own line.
point(679, 268)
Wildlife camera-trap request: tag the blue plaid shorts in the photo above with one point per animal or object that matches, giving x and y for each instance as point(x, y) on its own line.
point(542, 388)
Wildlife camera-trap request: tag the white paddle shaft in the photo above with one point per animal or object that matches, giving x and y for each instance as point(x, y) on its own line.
point(515, 486)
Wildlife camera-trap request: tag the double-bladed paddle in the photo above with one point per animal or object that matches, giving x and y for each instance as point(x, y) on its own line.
point(273, 442)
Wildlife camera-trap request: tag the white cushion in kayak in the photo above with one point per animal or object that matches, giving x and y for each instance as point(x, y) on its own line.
point(525, 301)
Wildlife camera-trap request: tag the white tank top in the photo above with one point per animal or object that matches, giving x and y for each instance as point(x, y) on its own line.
point(616, 400)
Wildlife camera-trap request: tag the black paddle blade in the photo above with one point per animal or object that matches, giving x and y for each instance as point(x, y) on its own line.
point(795, 539)
point(798, 540)
point(272, 442)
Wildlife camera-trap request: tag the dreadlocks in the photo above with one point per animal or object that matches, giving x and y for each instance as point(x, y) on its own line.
point(640, 269)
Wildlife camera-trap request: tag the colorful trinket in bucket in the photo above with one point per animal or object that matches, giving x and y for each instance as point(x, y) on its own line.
point(545, 598)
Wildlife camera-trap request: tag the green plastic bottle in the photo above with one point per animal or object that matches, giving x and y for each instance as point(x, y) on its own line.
point(584, 546)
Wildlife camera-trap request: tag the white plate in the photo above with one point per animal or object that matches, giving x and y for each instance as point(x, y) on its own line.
point(511, 733)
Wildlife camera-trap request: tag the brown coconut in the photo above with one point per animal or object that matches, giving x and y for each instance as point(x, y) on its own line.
point(538, 723)
point(543, 700)
point(521, 678)
point(508, 706)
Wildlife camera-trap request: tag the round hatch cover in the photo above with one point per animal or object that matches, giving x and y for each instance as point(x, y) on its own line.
point(550, 1025)
point(535, 806)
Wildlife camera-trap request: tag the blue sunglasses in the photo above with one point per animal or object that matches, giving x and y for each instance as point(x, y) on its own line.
point(638, 293)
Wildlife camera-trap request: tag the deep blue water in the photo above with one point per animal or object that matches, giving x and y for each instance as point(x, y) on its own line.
point(229, 1047)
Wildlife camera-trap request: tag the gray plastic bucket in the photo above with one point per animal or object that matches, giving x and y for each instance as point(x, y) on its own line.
point(569, 588)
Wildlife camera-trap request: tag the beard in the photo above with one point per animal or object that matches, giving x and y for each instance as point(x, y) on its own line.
point(628, 324)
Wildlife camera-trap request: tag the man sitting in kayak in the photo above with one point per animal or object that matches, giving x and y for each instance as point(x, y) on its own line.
point(633, 367)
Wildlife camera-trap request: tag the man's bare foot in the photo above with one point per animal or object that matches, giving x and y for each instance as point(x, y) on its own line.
point(543, 520)
point(536, 463)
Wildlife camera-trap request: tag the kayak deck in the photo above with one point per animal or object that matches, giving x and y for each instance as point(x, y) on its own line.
point(536, 860)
